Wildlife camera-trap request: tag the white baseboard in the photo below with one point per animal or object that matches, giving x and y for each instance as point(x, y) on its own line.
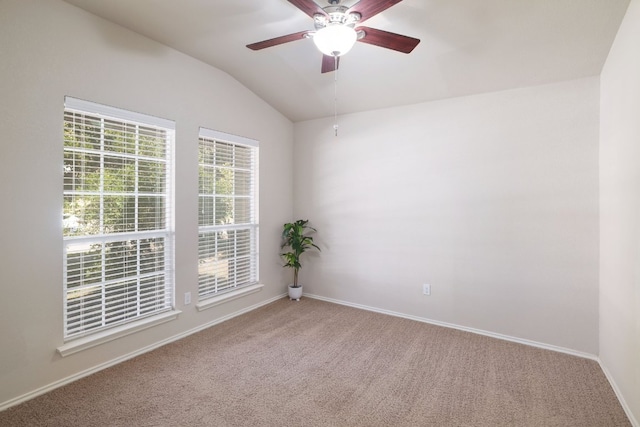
point(56, 384)
point(461, 328)
point(616, 390)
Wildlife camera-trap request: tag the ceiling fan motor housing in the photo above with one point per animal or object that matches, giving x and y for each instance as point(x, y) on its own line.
point(335, 15)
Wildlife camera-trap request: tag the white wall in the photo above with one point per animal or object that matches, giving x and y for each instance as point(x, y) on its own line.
point(620, 211)
point(492, 199)
point(49, 49)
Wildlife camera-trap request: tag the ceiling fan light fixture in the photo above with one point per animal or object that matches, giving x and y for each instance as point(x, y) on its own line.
point(335, 39)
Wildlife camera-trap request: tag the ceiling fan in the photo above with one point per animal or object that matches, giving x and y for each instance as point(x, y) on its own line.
point(336, 31)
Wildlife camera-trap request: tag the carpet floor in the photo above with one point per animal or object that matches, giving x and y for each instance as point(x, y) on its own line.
point(314, 363)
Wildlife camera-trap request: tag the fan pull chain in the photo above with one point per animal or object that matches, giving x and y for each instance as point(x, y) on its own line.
point(335, 96)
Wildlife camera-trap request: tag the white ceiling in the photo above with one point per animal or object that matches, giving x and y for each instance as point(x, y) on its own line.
point(467, 47)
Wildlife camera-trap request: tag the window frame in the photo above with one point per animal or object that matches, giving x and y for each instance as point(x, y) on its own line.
point(78, 340)
point(207, 297)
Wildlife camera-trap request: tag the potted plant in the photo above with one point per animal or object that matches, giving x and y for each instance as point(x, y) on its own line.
point(295, 236)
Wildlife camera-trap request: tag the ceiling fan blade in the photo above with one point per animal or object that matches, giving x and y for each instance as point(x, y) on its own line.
point(307, 6)
point(388, 40)
point(329, 63)
point(278, 40)
point(369, 8)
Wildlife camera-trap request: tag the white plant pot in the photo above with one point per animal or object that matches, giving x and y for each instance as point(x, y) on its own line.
point(295, 293)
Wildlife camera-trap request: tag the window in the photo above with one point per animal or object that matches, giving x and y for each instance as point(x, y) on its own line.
point(117, 222)
point(227, 205)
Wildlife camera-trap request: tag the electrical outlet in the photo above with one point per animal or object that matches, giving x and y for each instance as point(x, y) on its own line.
point(187, 298)
point(426, 289)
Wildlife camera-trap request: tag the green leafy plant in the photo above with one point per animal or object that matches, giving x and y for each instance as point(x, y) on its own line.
point(295, 236)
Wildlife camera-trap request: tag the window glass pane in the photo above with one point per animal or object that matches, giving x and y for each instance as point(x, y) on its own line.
point(224, 181)
point(243, 243)
point(151, 177)
point(84, 309)
point(243, 157)
point(206, 152)
point(206, 210)
point(84, 264)
point(242, 210)
point(152, 255)
point(223, 210)
point(119, 175)
point(82, 131)
point(121, 300)
point(226, 244)
point(81, 171)
point(120, 259)
point(152, 142)
point(242, 183)
point(223, 154)
point(206, 180)
point(119, 137)
point(81, 215)
point(119, 214)
point(151, 213)
point(154, 295)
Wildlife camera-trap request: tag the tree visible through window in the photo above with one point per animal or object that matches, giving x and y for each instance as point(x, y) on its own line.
point(116, 217)
point(228, 225)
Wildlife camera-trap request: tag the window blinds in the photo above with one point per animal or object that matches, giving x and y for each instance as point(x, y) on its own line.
point(117, 222)
point(227, 213)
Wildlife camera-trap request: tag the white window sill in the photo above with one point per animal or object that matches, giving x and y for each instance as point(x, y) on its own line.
point(98, 338)
point(228, 296)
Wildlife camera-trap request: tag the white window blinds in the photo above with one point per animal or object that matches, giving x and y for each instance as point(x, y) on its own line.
point(117, 222)
point(228, 214)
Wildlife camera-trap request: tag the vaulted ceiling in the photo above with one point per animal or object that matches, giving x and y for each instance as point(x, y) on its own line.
point(467, 47)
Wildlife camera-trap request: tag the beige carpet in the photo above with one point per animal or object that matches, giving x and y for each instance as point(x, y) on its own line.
point(313, 363)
